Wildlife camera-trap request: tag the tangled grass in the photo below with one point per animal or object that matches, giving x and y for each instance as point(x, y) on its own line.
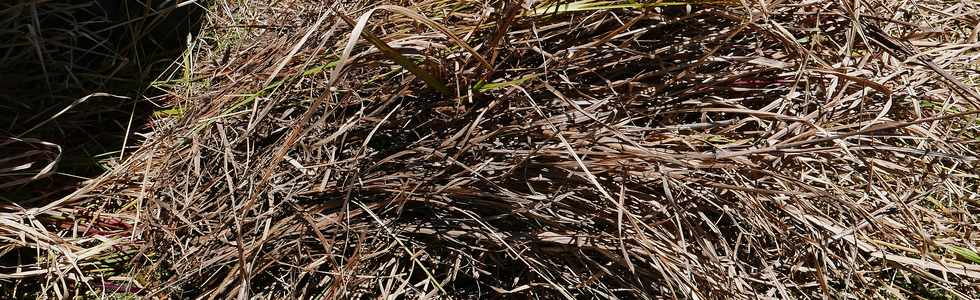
point(588, 149)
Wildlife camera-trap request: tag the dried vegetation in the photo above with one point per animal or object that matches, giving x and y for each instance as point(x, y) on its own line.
point(592, 149)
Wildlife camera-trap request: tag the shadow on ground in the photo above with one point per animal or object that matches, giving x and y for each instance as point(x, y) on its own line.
point(56, 52)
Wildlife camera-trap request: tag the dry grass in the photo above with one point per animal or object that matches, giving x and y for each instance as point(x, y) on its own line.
point(458, 149)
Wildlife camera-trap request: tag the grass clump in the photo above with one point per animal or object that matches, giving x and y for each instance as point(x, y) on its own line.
point(615, 150)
